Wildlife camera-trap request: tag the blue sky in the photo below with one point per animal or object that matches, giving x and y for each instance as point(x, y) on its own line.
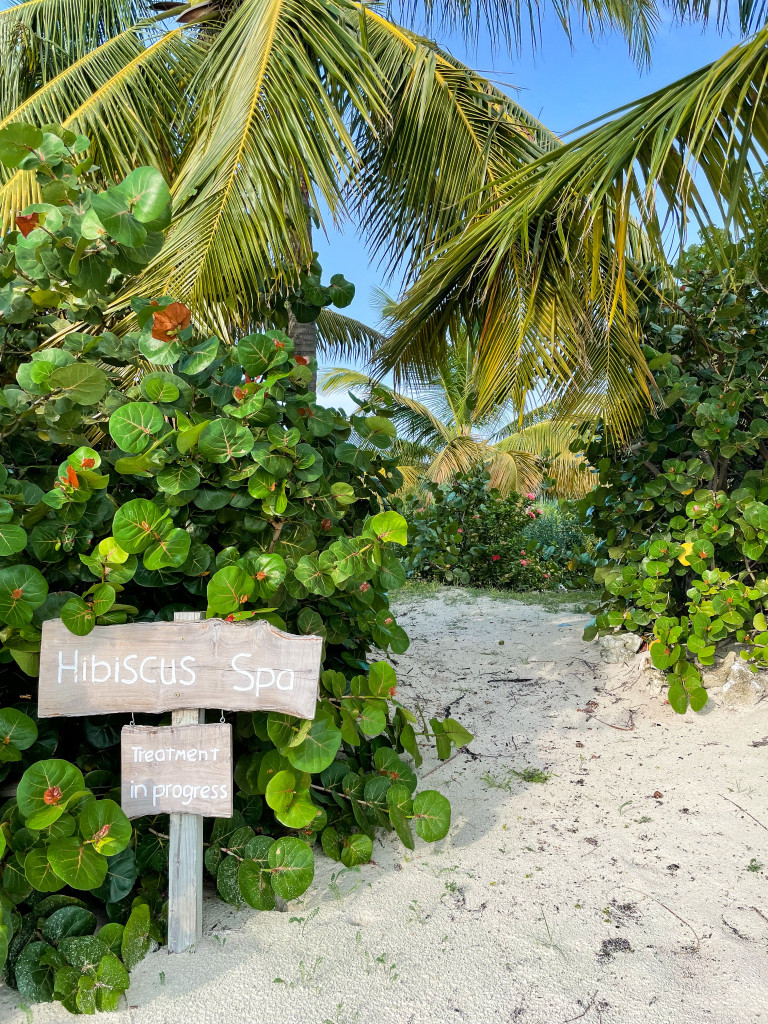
point(564, 87)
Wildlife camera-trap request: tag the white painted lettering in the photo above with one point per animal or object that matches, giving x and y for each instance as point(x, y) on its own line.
point(289, 685)
point(172, 680)
point(185, 668)
point(242, 672)
point(100, 664)
point(141, 669)
point(67, 668)
point(131, 669)
point(264, 686)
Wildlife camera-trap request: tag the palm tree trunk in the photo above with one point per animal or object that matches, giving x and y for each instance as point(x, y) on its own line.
point(304, 336)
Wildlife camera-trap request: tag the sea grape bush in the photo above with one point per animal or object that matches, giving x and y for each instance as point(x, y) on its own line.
point(468, 533)
point(148, 470)
point(681, 513)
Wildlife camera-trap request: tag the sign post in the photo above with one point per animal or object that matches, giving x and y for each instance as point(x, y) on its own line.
point(184, 666)
point(185, 854)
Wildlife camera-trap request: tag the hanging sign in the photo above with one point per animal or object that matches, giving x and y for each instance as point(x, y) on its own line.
point(178, 768)
point(152, 667)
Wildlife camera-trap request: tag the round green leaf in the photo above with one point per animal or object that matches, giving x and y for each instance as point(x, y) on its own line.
point(133, 426)
point(17, 141)
point(34, 973)
point(111, 208)
point(223, 440)
point(258, 353)
point(68, 921)
point(678, 698)
point(382, 681)
point(39, 872)
point(77, 863)
point(229, 589)
point(16, 729)
point(22, 589)
point(179, 477)
point(78, 617)
point(170, 549)
point(317, 749)
point(82, 383)
point(289, 798)
point(198, 358)
point(120, 878)
point(105, 826)
point(387, 526)
point(158, 390)
point(135, 525)
point(293, 867)
point(12, 539)
point(84, 458)
point(356, 849)
point(431, 815)
point(44, 789)
point(254, 875)
point(147, 194)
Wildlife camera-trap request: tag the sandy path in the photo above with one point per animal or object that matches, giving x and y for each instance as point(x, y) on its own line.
point(584, 898)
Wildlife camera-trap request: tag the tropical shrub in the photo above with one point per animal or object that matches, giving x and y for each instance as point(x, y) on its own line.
point(469, 533)
point(681, 513)
point(145, 471)
point(560, 535)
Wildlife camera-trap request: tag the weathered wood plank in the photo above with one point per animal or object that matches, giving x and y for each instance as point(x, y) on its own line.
point(185, 854)
point(165, 666)
point(178, 768)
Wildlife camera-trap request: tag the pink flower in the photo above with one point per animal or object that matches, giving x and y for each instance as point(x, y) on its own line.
point(523, 551)
point(495, 558)
point(546, 575)
point(523, 561)
point(460, 530)
point(539, 512)
point(531, 513)
point(530, 496)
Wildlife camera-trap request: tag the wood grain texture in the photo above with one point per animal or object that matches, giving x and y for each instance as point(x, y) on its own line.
point(185, 853)
point(165, 666)
point(177, 768)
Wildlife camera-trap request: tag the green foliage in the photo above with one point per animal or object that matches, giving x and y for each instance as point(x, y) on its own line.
point(682, 514)
point(145, 470)
point(470, 534)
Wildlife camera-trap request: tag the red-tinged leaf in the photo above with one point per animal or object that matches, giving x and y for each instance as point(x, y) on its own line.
point(27, 222)
point(175, 318)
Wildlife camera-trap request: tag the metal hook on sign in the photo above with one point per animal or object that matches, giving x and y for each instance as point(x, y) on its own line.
point(133, 719)
point(222, 720)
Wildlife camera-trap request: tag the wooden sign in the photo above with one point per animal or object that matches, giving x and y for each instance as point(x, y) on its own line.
point(185, 769)
point(163, 666)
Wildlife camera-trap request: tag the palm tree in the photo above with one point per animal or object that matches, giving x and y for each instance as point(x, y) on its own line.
point(442, 431)
point(259, 111)
point(580, 222)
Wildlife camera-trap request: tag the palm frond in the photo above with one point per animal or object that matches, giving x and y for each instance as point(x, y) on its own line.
point(550, 438)
point(271, 140)
point(41, 38)
point(415, 420)
point(515, 23)
point(123, 95)
point(446, 134)
point(342, 337)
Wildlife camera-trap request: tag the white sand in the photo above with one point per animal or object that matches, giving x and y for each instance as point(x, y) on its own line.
point(584, 898)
